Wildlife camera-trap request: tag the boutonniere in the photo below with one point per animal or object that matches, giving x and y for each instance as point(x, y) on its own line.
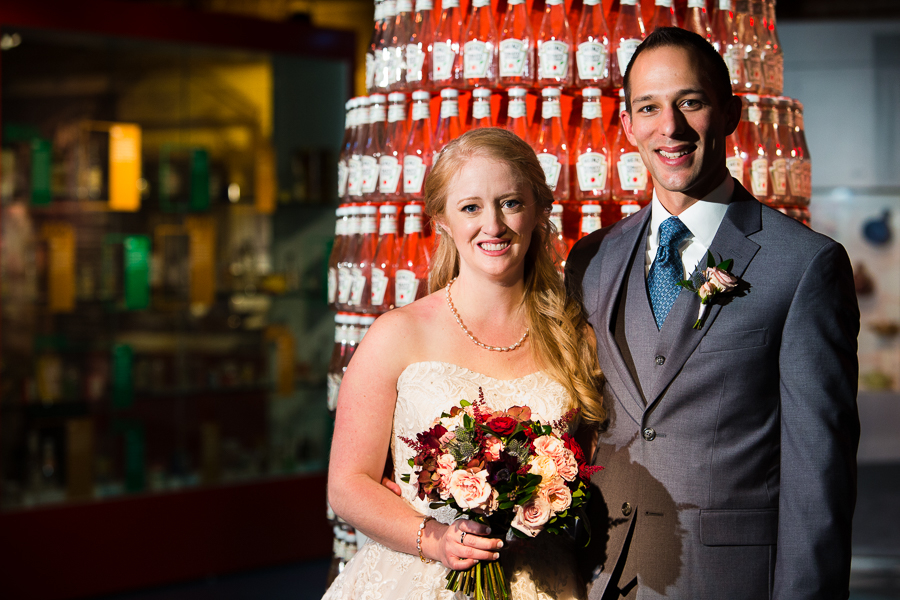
point(708, 283)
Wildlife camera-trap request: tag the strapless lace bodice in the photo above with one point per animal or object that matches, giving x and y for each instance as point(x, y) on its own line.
point(542, 568)
point(427, 389)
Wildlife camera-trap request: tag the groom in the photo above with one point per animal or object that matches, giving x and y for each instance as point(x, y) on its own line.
point(730, 450)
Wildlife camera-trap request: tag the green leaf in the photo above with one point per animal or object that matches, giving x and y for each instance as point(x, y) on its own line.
point(725, 265)
point(434, 505)
point(411, 462)
point(710, 259)
point(467, 421)
point(587, 524)
point(404, 478)
point(465, 403)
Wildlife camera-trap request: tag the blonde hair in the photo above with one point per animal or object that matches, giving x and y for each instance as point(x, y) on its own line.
point(559, 333)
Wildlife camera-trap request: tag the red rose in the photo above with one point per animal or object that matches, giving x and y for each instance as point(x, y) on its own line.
point(502, 425)
point(574, 446)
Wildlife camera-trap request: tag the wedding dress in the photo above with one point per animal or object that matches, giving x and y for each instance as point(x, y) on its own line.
point(542, 568)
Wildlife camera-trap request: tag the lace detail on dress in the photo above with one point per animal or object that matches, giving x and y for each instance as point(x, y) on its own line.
point(538, 569)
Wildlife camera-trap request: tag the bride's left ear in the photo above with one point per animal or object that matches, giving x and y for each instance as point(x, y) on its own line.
point(445, 229)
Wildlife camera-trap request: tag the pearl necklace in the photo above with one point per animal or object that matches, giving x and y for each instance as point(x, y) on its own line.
point(469, 333)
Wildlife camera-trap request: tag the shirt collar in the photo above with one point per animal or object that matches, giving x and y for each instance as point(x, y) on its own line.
point(702, 218)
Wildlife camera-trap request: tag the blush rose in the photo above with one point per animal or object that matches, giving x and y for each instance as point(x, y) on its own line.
point(470, 490)
point(531, 517)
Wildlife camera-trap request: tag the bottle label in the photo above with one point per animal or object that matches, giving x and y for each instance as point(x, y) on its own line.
point(354, 176)
point(517, 109)
point(551, 108)
point(625, 51)
point(725, 4)
point(632, 172)
point(389, 174)
point(779, 176)
point(629, 209)
point(801, 181)
point(513, 55)
point(345, 282)
point(334, 384)
point(415, 58)
point(552, 167)
point(592, 169)
point(424, 5)
point(405, 287)
point(442, 61)
point(771, 70)
point(332, 284)
point(735, 166)
point(481, 110)
point(357, 286)
point(590, 223)
point(396, 113)
point(413, 174)
point(590, 110)
point(754, 113)
point(591, 59)
point(554, 2)
point(370, 70)
point(420, 111)
point(387, 225)
point(368, 174)
point(343, 173)
point(734, 59)
point(754, 67)
point(554, 60)
point(379, 286)
point(476, 59)
point(449, 108)
point(480, 3)
point(697, 4)
point(759, 177)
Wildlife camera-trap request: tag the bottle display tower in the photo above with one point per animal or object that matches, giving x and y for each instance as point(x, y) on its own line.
point(551, 72)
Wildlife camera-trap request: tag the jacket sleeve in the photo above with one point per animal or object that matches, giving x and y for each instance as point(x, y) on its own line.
point(819, 431)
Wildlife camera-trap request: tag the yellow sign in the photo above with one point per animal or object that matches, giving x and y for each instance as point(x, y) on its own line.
point(124, 167)
point(60, 266)
point(202, 233)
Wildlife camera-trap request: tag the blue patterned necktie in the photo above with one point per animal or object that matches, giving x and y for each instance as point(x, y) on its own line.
point(666, 270)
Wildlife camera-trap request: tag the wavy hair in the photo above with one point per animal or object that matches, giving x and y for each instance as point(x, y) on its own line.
point(560, 336)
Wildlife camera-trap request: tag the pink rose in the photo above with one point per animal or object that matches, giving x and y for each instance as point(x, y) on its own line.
point(447, 438)
point(446, 464)
point(531, 517)
point(706, 290)
point(470, 490)
point(558, 494)
point(563, 458)
point(548, 445)
point(543, 466)
point(492, 447)
point(567, 466)
point(721, 280)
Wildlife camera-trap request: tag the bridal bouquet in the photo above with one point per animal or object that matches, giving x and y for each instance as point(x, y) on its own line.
point(505, 470)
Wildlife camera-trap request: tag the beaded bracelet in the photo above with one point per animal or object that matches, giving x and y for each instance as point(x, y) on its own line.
point(419, 540)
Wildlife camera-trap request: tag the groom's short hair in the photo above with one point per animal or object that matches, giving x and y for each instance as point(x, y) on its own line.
point(715, 70)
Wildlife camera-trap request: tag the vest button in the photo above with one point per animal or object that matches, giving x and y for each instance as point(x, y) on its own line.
point(626, 509)
point(660, 360)
point(649, 434)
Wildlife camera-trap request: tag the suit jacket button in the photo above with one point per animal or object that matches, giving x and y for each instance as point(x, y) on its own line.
point(649, 434)
point(660, 360)
point(626, 509)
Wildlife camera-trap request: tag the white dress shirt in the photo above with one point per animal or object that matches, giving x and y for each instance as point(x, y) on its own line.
point(702, 219)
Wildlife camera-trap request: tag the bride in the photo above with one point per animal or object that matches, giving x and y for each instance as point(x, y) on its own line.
point(496, 319)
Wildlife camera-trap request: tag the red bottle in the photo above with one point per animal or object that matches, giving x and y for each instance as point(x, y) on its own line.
point(357, 150)
point(696, 19)
point(411, 272)
point(561, 244)
point(753, 151)
point(627, 36)
point(419, 152)
point(551, 146)
point(590, 219)
point(337, 249)
point(385, 258)
point(517, 114)
point(448, 126)
point(346, 143)
point(336, 363)
point(479, 52)
point(801, 167)
point(419, 46)
point(554, 46)
point(663, 15)
point(750, 33)
point(591, 150)
point(727, 43)
point(361, 267)
point(374, 147)
point(373, 52)
point(734, 159)
point(348, 258)
point(481, 108)
point(390, 165)
point(592, 47)
point(517, 58)
point(404, 27)
point(631, 181)
point(384, 57)
point(446, 65)
point(776, 132)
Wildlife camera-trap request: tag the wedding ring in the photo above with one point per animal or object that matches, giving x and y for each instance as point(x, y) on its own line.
point(462, 538)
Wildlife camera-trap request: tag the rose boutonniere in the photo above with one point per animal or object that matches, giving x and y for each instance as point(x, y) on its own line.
point(709, 282)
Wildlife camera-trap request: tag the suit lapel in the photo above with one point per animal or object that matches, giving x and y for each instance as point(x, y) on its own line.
point(613, 275)
point(679, 341)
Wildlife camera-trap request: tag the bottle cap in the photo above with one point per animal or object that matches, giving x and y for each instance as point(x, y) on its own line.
point(622, 93)
point(352, 319)
point(368, 209)
point(341, 211)
point(350, 104)
point(449, 93)
point(412, 209)
point(550, 92)
point(481, 93)
point(421, 95)
point(751, 97)
point(377, 99)
point(396, 97)
point(362, 101)
point(590, 209)
point(366, 320)
point(341, 318)
point(591, 92)
point(556, 209)
point(517, 92)
point(388, 209)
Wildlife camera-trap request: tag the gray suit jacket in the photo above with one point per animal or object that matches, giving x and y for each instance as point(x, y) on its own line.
point(734, 475)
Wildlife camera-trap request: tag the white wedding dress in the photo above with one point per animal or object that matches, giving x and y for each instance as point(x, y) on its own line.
point(542, 568)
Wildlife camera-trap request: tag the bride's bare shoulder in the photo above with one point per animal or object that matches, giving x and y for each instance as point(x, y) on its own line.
point(404, 332)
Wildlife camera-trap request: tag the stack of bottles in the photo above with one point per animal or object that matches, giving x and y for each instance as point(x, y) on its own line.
point(553, 76)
